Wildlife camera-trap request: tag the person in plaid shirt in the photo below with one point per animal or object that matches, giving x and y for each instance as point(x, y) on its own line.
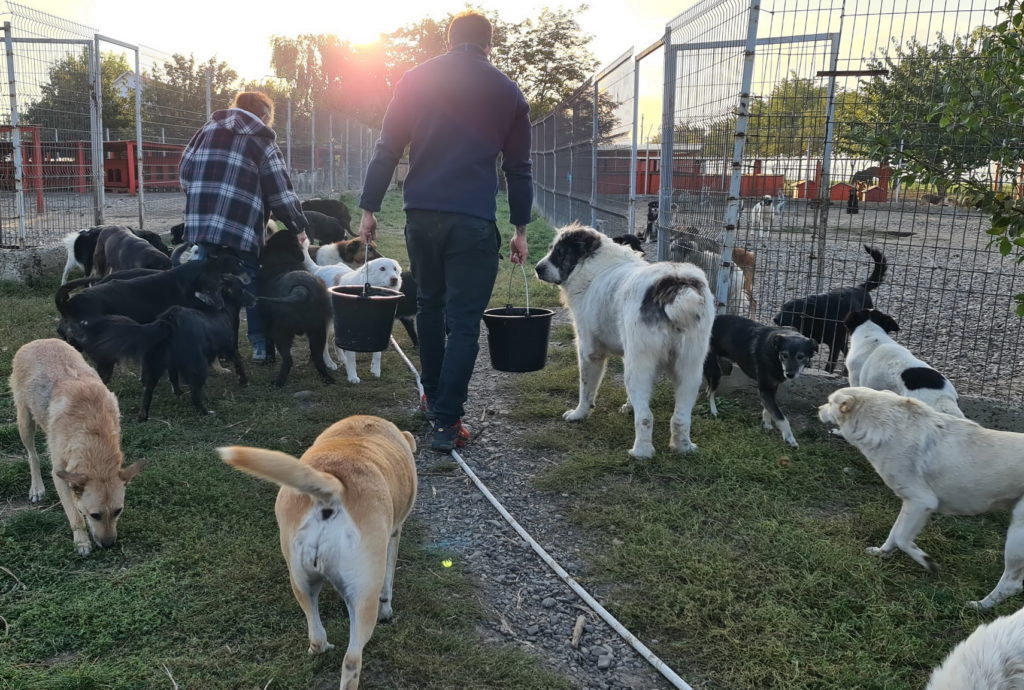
point(234, 175)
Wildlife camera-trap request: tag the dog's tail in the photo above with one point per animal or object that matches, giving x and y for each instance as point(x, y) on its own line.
point(285, 470)
point(298, 295)
point(878, 272)
point(64, 292)
point(678, 299)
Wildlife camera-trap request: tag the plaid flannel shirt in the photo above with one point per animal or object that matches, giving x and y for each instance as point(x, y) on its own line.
point(233, 174)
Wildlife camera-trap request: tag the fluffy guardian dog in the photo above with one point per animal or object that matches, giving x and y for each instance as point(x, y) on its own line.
point(53, 387)
point(992, 657)
point(820, 317)
point(656, 316)
point(340, 511)
point(379, 273)
point(877, 361)
point(936, 463)
point(770, 356)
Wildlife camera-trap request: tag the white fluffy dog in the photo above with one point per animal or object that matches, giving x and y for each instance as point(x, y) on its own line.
point(877, 361)
point(936, 462)
point(992, 657)
point(760, 210)
point(381, 272)
point(658, 317)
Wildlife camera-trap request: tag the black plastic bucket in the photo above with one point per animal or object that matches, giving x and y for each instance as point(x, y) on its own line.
point(363, 320)
point(518, 337)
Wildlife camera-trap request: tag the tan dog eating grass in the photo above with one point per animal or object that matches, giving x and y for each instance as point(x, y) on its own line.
point(53, 387)
point(340, 512)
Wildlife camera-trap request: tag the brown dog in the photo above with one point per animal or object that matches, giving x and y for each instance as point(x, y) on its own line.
point(350, 252)
point(340, 511)
point(54, 387)
point(746, 261)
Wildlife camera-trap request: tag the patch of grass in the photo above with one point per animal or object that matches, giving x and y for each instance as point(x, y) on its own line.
point(745, 560)
point(196, 581)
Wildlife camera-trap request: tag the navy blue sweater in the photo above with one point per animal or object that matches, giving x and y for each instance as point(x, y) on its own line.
point(458, 112)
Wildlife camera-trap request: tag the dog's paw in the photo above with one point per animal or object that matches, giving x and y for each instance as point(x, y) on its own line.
point(36, 493)
point(352, 378)
point(330, 364)
point(791, 440)
point(877, 551)
point(319, 647)
point(642, 451)
point(626, 409)
point(385, 613)
point(375, 372)
point(575, 415)
point(684, 446)
point(978, 605)
point(83, 548)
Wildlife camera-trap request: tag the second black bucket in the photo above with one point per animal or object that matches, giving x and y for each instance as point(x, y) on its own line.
point(363, 320)
point(518, 338)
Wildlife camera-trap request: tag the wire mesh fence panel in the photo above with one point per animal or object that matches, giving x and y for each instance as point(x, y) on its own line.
point(49, 70)
point(613, 156)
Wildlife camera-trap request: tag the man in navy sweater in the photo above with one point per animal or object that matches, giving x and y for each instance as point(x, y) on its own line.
point(457, 112)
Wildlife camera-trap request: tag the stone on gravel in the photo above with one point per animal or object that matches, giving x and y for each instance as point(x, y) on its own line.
point(548, 602)
point(604, 662)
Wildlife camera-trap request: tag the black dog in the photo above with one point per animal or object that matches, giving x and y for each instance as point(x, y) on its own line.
point(821, 316)
point(631, 241)
point(323, 229)
point(197, 338)
point(770, 356)
point(118, 248)
point(406, 311)
point(292, 302)
point(334, 209)
point(107, 340)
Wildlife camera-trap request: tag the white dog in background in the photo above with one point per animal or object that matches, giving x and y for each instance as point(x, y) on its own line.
point(992, 657)
point(936, 463)
point(877, 361)
point(761, 209)
point(658, 317)
point(381, 272)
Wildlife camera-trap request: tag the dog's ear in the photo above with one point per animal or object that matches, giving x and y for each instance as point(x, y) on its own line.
point(814, 346)
point(77, 480)
point(847, 404)
point(128, 473)
point(410, 439)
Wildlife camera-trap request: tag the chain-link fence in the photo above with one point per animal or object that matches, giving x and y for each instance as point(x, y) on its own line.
point(92, 131)
point(764, 111)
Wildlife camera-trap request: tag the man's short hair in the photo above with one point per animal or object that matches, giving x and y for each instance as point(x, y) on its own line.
point(469, 27)
point(257, 103)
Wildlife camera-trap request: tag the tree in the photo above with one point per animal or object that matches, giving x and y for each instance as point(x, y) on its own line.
point(174, 95)
point(968, 115)
point(63, 104)
point(790, 120)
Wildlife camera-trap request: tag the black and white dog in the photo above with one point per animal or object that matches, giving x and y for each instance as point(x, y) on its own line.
point(81, 248)
point(877, 361)
point(771, 356)
point(820, 317)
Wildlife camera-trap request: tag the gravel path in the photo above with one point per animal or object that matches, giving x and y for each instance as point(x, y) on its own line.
point(527, 604)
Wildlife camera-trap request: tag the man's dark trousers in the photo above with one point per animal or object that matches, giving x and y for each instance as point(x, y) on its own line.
point(454, 261)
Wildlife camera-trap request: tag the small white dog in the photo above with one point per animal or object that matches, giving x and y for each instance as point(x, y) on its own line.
point(381, 272)
point(992, 657)
point(936, 463)
point(877, 361)
point(657, 316)
point(761, 209)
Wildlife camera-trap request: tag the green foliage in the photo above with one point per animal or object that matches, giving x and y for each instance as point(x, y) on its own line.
point(956, 106)
point(174, 95)
point(64, 99)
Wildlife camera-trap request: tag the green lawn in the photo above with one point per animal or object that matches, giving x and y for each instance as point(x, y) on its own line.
point(745, 560)
point(196, 582)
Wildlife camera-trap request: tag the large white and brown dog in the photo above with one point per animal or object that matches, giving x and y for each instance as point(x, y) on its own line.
point(992, 657)
point(658, 317)
point(936, 463)
point(340, 511)
point(53, 387)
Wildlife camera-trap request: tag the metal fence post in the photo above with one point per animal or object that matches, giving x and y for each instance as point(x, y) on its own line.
point(594, 135)
point(631, 221)
point(138, 140)
point(348, 157)
point(288, 134)
point(19, 191)
point(209, 95)
point(824, 193)
point(96, 121)
point(732, 209)
point(313, 186)
point(330, 151)
point(667, 147)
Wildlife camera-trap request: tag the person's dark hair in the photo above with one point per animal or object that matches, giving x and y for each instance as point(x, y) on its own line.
point(257, 103)
point(469, 27)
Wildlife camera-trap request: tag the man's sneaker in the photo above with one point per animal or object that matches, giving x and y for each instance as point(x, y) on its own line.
point(447, 437)
point(259, 352)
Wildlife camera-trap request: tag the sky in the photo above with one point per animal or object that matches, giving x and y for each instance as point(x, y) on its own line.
point(239, 32)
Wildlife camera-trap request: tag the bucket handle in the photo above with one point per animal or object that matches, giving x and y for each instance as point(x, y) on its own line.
point(366, 270)
point(526, 287)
